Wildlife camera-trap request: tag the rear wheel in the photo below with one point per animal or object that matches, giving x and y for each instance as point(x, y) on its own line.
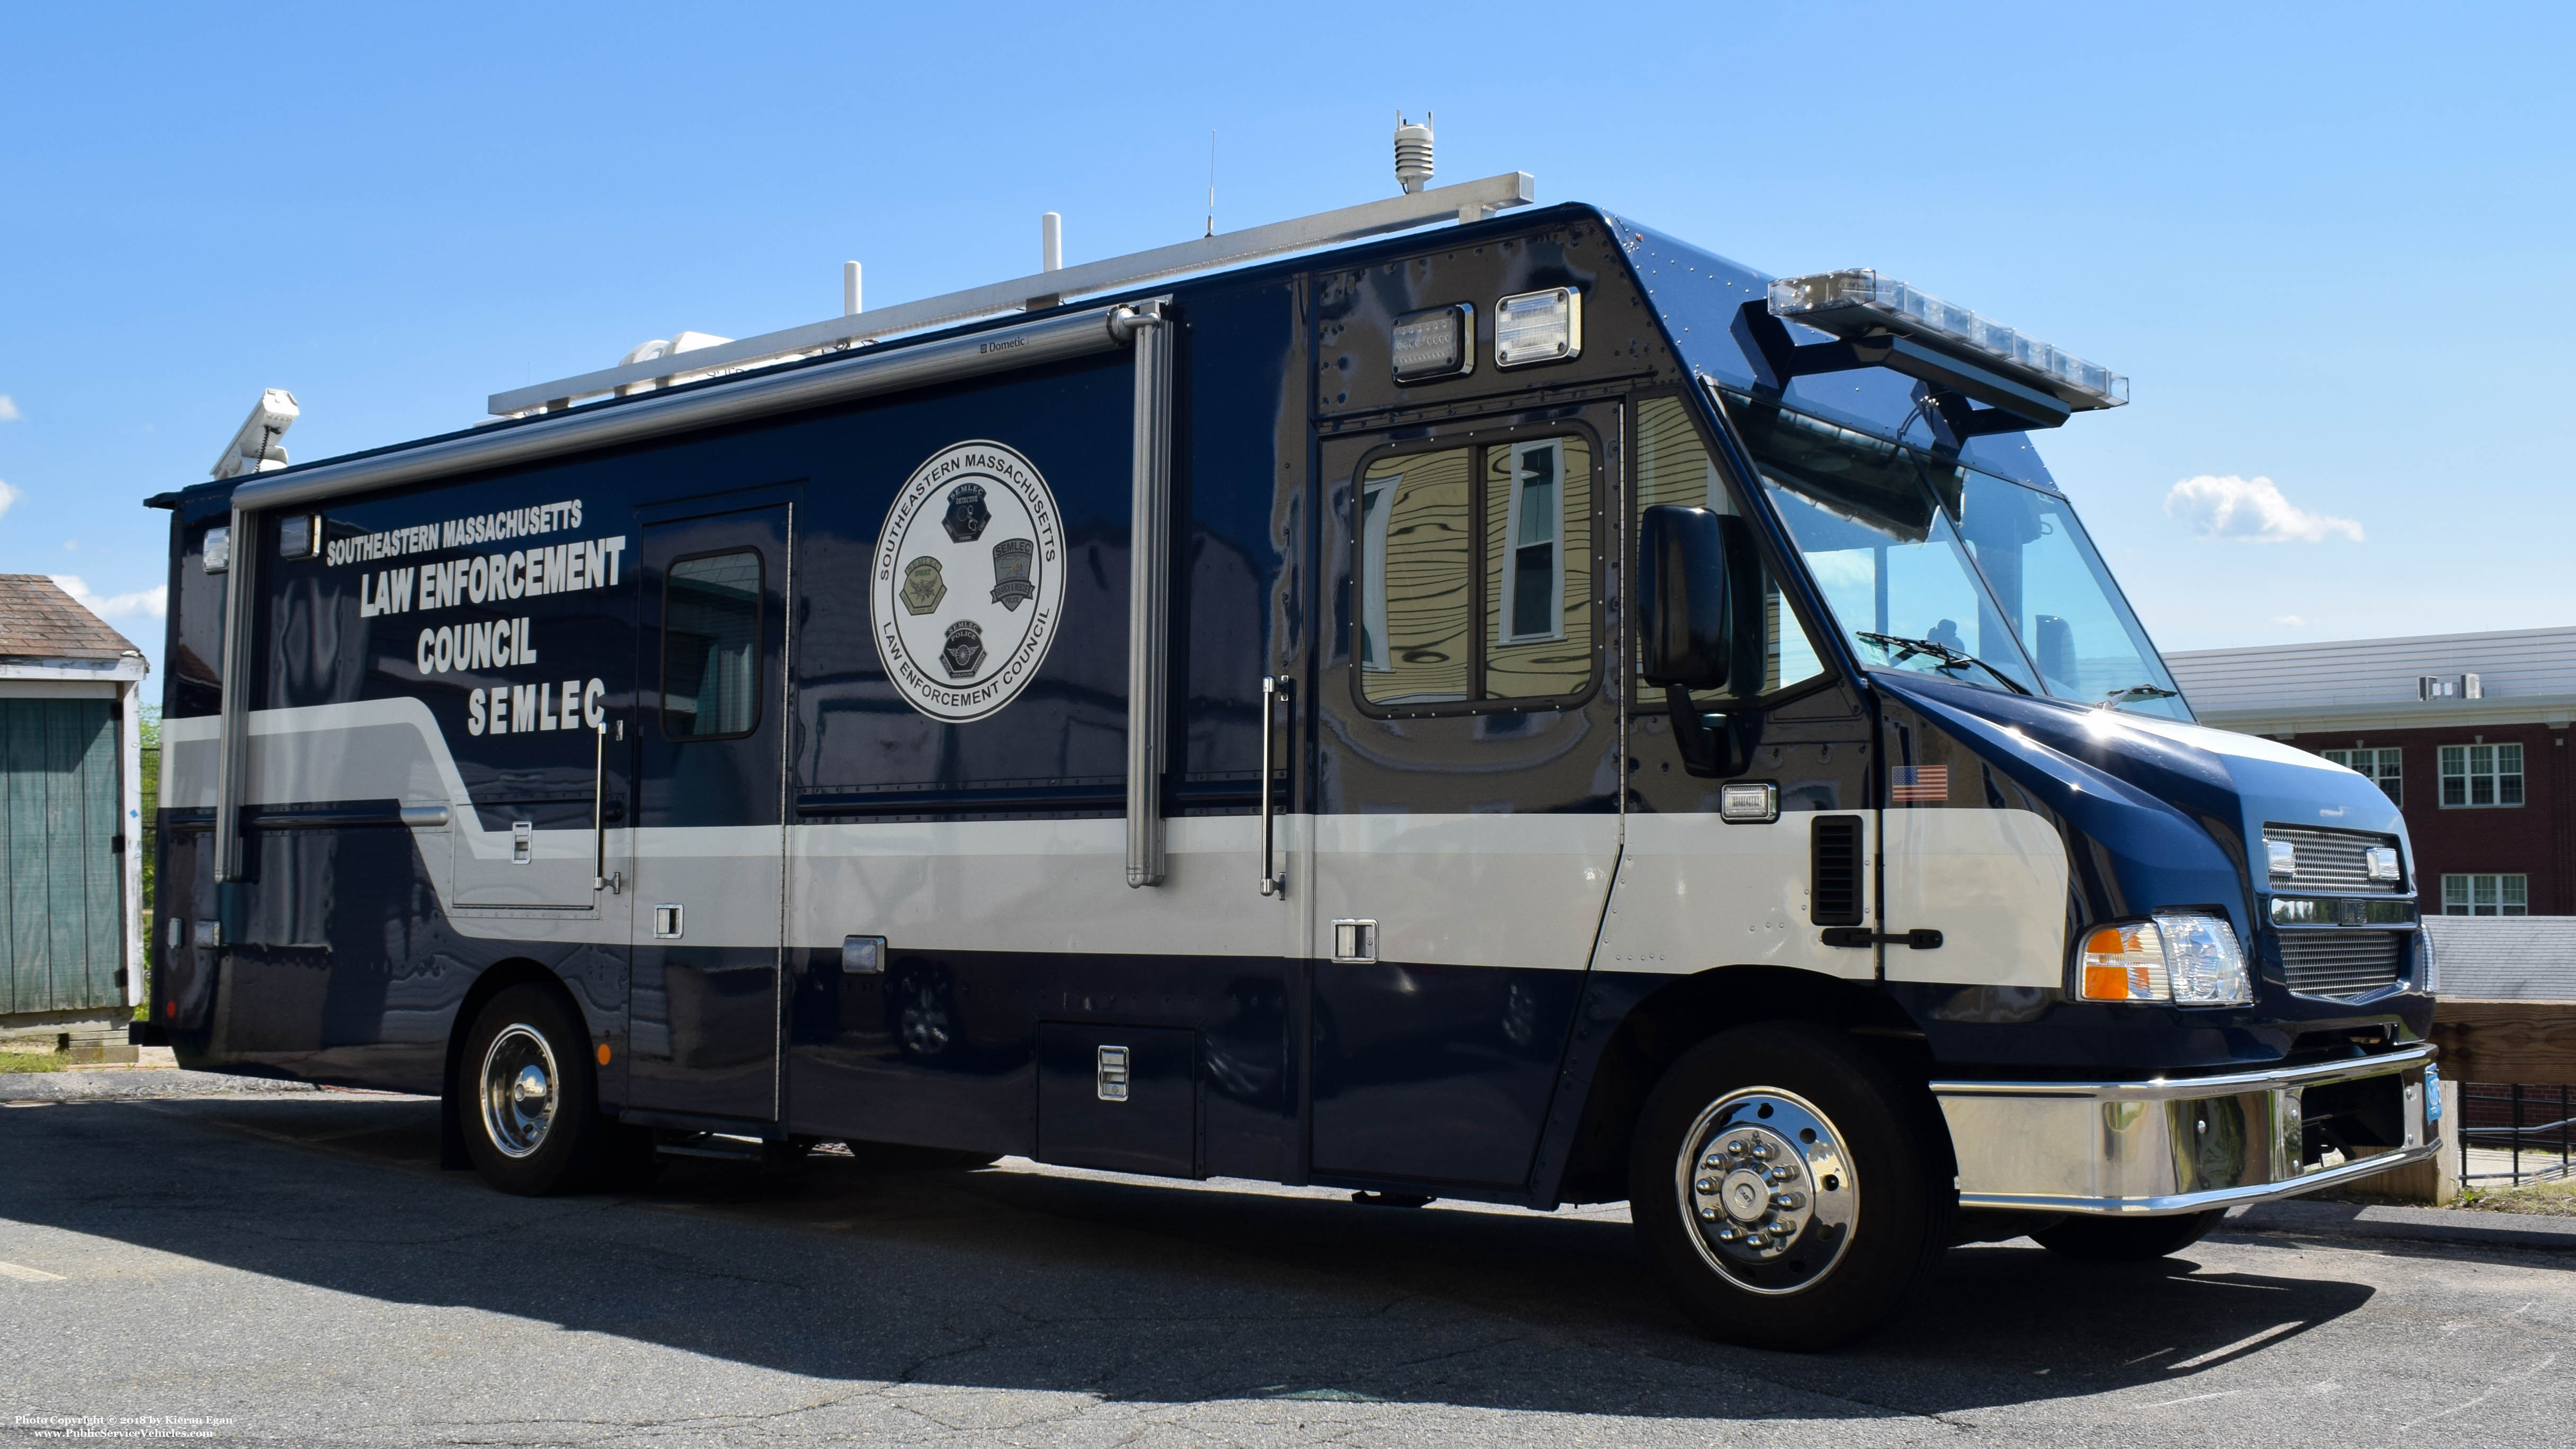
point(1782, 1183)
point(531, 1110)
point(2127, 1240)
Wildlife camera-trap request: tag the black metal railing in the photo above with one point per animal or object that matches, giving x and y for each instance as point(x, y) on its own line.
point(2536, 1125)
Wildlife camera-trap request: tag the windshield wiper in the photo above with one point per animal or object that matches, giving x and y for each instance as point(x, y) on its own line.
point(1902, 649)
point(2135, 693)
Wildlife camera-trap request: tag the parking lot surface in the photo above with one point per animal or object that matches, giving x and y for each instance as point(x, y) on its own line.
point(292, 1267)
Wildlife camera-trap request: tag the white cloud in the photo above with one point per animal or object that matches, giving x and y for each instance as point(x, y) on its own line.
point(8, 495)
point(2251, 510)
point(2293, 620)
point(8, 409)
point(154, 601)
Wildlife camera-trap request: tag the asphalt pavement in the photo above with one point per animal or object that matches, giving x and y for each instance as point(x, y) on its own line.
point(291, 1267)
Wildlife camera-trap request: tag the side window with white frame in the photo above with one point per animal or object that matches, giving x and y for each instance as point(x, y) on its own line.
point(2475, 776)
point(2486, 895)
point(2382, 767)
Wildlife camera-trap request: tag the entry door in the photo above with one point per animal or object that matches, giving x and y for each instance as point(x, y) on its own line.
point(712, 696)
point(62, 932)
point(1466, 788)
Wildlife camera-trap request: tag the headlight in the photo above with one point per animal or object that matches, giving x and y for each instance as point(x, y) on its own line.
point(2204, 962)
point(2184, 957)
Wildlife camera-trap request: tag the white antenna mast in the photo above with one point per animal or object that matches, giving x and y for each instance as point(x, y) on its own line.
point(1211, 231)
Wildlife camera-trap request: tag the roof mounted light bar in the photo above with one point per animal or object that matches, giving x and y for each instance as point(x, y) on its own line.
point(1958, 355)
point(1857, 301)
point(1467, 201)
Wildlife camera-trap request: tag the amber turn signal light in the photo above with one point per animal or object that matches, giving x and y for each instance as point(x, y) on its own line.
point(2124, 963)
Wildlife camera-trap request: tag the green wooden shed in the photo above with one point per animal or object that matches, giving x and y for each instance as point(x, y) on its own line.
point(71, 818)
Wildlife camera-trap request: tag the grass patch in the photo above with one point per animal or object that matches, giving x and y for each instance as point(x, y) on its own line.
point(31, 1061)
point(2547, 1199)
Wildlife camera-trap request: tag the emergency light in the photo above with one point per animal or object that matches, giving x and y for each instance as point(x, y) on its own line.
point(1857, 302)
point(1538, 327)
point(1436, 343)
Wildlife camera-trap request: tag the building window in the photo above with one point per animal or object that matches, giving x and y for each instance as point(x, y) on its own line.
point(2474, 775)
point(2486, 895)
point(1533, 523)
point(2381, 767)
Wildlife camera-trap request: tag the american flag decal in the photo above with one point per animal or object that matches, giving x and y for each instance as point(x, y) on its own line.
point(1913, 784)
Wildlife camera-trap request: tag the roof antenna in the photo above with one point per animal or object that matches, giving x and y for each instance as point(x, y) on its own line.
point(1412, 152)
point(1211, 231)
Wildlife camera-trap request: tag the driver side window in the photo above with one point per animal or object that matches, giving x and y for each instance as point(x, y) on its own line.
point(1674, 467)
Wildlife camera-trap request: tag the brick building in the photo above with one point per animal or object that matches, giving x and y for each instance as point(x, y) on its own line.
point(2467, 732)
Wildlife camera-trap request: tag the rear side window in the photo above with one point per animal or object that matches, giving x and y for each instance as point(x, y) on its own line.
point(1417, 542)
point(711, 646)
point(1476, 573)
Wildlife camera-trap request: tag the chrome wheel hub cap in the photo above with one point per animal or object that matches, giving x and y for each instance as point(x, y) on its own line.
point(1768, 1190)
point(518, 1090)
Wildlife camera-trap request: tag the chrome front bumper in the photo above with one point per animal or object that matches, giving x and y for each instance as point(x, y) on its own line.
point(2168, 1145)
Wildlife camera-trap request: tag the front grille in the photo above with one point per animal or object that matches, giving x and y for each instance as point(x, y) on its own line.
point(2342, 963)
point(2330, 860)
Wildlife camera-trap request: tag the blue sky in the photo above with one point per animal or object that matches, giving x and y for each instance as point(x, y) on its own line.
point(2326, 248)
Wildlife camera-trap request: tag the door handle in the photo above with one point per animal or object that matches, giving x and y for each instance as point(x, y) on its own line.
point(1275, 693)
point(600, 879)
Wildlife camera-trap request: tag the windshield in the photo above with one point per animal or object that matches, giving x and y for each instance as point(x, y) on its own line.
point(1937, 568)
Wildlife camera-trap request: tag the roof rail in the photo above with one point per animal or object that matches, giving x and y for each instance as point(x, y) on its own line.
point(1467, 201)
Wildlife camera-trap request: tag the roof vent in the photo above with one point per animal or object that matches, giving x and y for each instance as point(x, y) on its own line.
point(1412, 153)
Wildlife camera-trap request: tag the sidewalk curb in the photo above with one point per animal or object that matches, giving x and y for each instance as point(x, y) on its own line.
point(2407, 1224)
point(129, 1084)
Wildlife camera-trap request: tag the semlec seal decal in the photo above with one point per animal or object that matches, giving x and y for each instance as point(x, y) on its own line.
point(968, 581)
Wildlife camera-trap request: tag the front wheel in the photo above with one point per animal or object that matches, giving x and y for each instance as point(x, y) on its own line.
point(1781, 1181)
point(530, 1101)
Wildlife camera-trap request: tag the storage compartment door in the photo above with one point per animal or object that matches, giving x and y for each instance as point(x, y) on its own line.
point(1119, 1098)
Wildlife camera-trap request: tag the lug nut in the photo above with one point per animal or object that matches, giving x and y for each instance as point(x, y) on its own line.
point(1761, 1151)
point(1704, 1185)
point(1707, 1213)
point(1736, 1147)
point(1724, 1235)
point(1754, 1240)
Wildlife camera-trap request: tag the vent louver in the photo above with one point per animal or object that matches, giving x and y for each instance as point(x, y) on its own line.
point(1835, 878)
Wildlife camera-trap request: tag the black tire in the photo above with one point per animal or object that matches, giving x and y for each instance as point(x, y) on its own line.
point(1859, 1212)
point(543, 1135)
point(2127, 1240)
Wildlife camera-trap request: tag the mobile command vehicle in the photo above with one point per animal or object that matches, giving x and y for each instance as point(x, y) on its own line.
point(1434, 699)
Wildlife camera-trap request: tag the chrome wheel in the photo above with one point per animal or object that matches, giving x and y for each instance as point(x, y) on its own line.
point(1768, 1190)
point(519, 1090)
